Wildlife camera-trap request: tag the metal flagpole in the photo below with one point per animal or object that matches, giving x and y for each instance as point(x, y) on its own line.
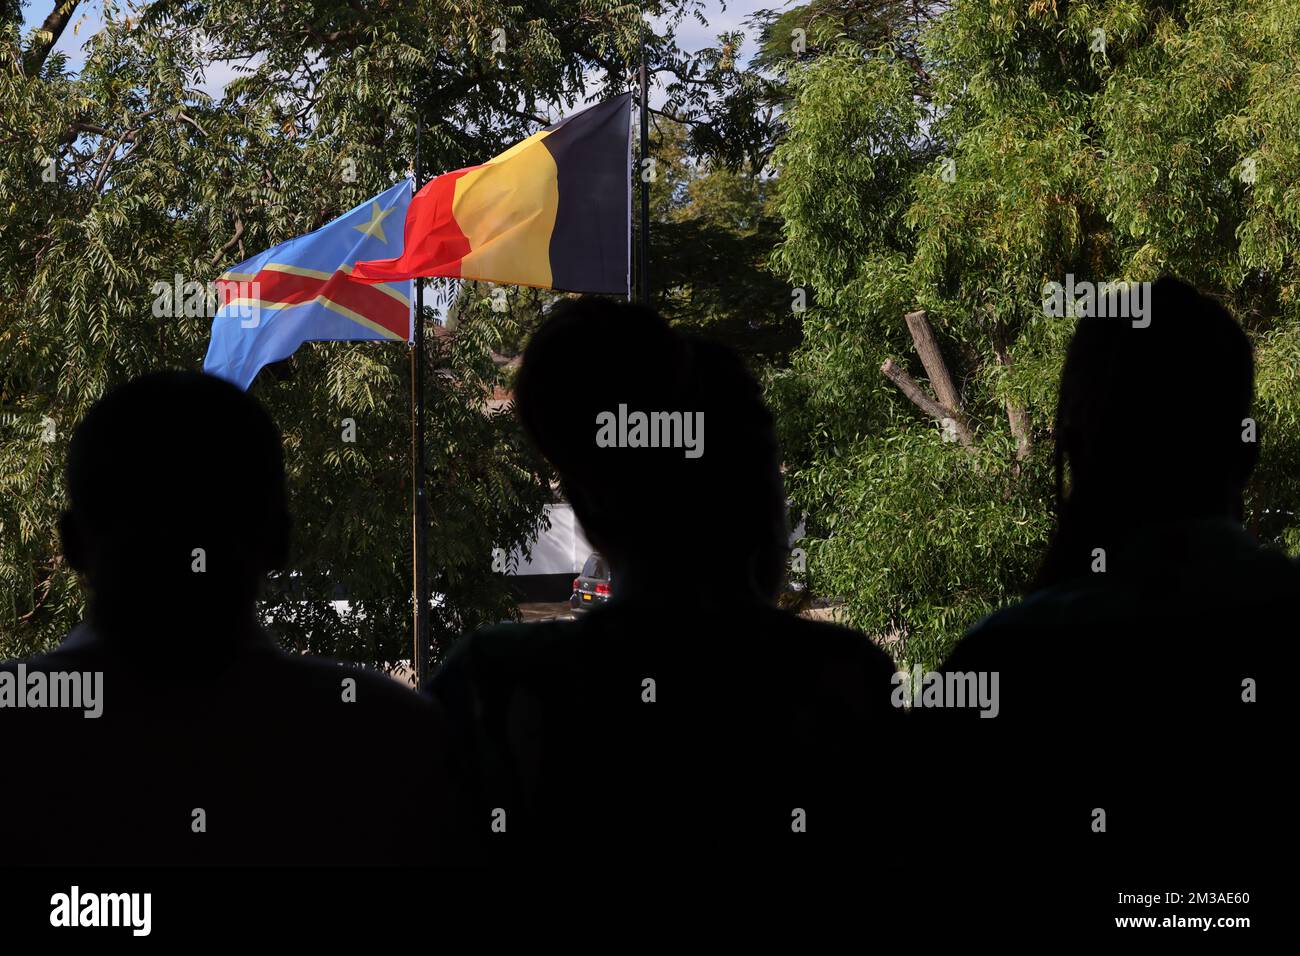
point(643, 257)
point(419, 504)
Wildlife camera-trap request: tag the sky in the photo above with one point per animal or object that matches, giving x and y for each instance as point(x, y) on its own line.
point(690, 34)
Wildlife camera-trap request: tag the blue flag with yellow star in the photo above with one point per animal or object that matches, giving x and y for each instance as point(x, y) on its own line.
point(303, 291)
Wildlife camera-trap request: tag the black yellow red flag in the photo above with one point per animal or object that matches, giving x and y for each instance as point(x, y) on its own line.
point(553, 211)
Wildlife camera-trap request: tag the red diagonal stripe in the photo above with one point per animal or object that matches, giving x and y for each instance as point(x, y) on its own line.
point(363, 299)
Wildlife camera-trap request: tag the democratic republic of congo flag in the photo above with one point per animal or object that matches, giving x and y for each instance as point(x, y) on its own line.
point(302, 291)
point(553, 211)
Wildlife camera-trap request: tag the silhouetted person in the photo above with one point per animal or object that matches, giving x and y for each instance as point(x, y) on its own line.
point(1126, 676)
point(689, 717)
point(178, 507)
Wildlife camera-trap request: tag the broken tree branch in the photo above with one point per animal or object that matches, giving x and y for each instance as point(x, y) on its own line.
point(935, 368)
point(916, 394)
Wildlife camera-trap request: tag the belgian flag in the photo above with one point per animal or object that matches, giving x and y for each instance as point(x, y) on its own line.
point(553, 211)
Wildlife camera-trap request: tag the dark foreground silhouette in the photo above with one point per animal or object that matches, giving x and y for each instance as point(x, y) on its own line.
point(689, 718)
point(213, 745)
point(1142, 679)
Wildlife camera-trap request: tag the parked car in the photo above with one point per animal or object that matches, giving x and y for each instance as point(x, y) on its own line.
point(593, 587)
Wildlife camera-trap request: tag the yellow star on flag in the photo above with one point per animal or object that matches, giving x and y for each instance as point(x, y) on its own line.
point(375, 227)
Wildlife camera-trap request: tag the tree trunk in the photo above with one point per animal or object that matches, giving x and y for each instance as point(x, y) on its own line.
point(1017, 415)
point(935, 368)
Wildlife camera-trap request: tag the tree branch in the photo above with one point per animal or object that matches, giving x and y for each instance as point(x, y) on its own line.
point(684, 120)
point(186, 118)
point(916, 394)
point(48, 35)
point(44, 586)
point(935, 368)
point(239, 232)
point(1017, 415)
point(108, 160)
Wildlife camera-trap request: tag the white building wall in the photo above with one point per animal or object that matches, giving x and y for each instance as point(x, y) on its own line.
point(561, 550)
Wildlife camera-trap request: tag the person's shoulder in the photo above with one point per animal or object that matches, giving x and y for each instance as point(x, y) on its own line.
point(502, 653)
point(1003, 633)
point(512, 645)
point(334, 680)
point(836, 667)
point(832, 640)
point(835, 655)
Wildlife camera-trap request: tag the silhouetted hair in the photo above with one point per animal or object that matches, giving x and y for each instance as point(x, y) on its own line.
point(1149, 420)
point(725, 509)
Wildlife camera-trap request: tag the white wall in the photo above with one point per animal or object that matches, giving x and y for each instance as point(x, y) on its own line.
point(561, 550)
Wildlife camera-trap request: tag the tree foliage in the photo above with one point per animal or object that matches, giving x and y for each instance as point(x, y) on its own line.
point(713, 229)
point(1030, 140)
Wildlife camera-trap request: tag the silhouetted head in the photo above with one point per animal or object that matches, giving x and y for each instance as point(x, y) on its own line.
point(710, 505)
point(177, 508)
point(1150, 420)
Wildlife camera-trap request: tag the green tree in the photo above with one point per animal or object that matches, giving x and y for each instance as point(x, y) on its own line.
point(1108, 140)
point(713, 230)
point(714, 218)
